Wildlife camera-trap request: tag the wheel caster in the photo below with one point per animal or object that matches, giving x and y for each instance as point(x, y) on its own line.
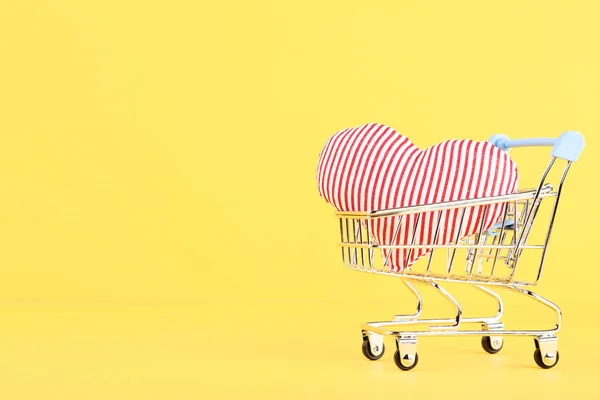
point(405, 364)
point(545, 362)
point(406, 357)
point(492, 344)
point(372, 354)
point(546, 353)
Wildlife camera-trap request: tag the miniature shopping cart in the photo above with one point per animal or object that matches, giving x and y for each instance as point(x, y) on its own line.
point(510, 255)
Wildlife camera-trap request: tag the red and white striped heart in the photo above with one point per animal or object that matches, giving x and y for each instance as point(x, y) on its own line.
point(372, 167)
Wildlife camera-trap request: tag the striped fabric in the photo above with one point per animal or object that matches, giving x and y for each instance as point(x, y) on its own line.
point(372, 167)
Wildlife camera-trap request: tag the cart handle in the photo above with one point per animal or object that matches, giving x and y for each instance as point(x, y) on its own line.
point(567, 146)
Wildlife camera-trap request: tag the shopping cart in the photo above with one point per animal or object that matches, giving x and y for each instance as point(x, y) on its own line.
point(492, 260)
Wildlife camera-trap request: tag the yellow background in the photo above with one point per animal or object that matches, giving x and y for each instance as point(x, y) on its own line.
point(161, 232)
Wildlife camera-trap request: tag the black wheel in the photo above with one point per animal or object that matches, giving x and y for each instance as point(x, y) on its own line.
point(539, 360)
point(492, 348)
point(366, 350)
point(402, 366)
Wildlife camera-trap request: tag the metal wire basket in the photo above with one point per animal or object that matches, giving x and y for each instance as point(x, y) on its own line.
point(489, 258)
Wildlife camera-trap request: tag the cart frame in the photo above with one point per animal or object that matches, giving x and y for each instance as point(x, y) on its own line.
point(509, 241)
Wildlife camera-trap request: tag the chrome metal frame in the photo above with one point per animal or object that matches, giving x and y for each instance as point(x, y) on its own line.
point(500, 248)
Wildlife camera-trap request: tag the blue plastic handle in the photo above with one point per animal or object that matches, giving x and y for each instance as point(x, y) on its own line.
point(567, 146)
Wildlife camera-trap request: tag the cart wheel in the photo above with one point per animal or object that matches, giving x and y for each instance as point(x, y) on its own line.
point(401, 363)
point(490, 346)
point(539, 360)
point(366, 350)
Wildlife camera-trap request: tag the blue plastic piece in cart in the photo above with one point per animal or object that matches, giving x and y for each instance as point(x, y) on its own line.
point(508, 224)
point(567, 146)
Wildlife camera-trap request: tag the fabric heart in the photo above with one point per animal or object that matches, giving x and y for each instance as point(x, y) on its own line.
point(372, 167)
